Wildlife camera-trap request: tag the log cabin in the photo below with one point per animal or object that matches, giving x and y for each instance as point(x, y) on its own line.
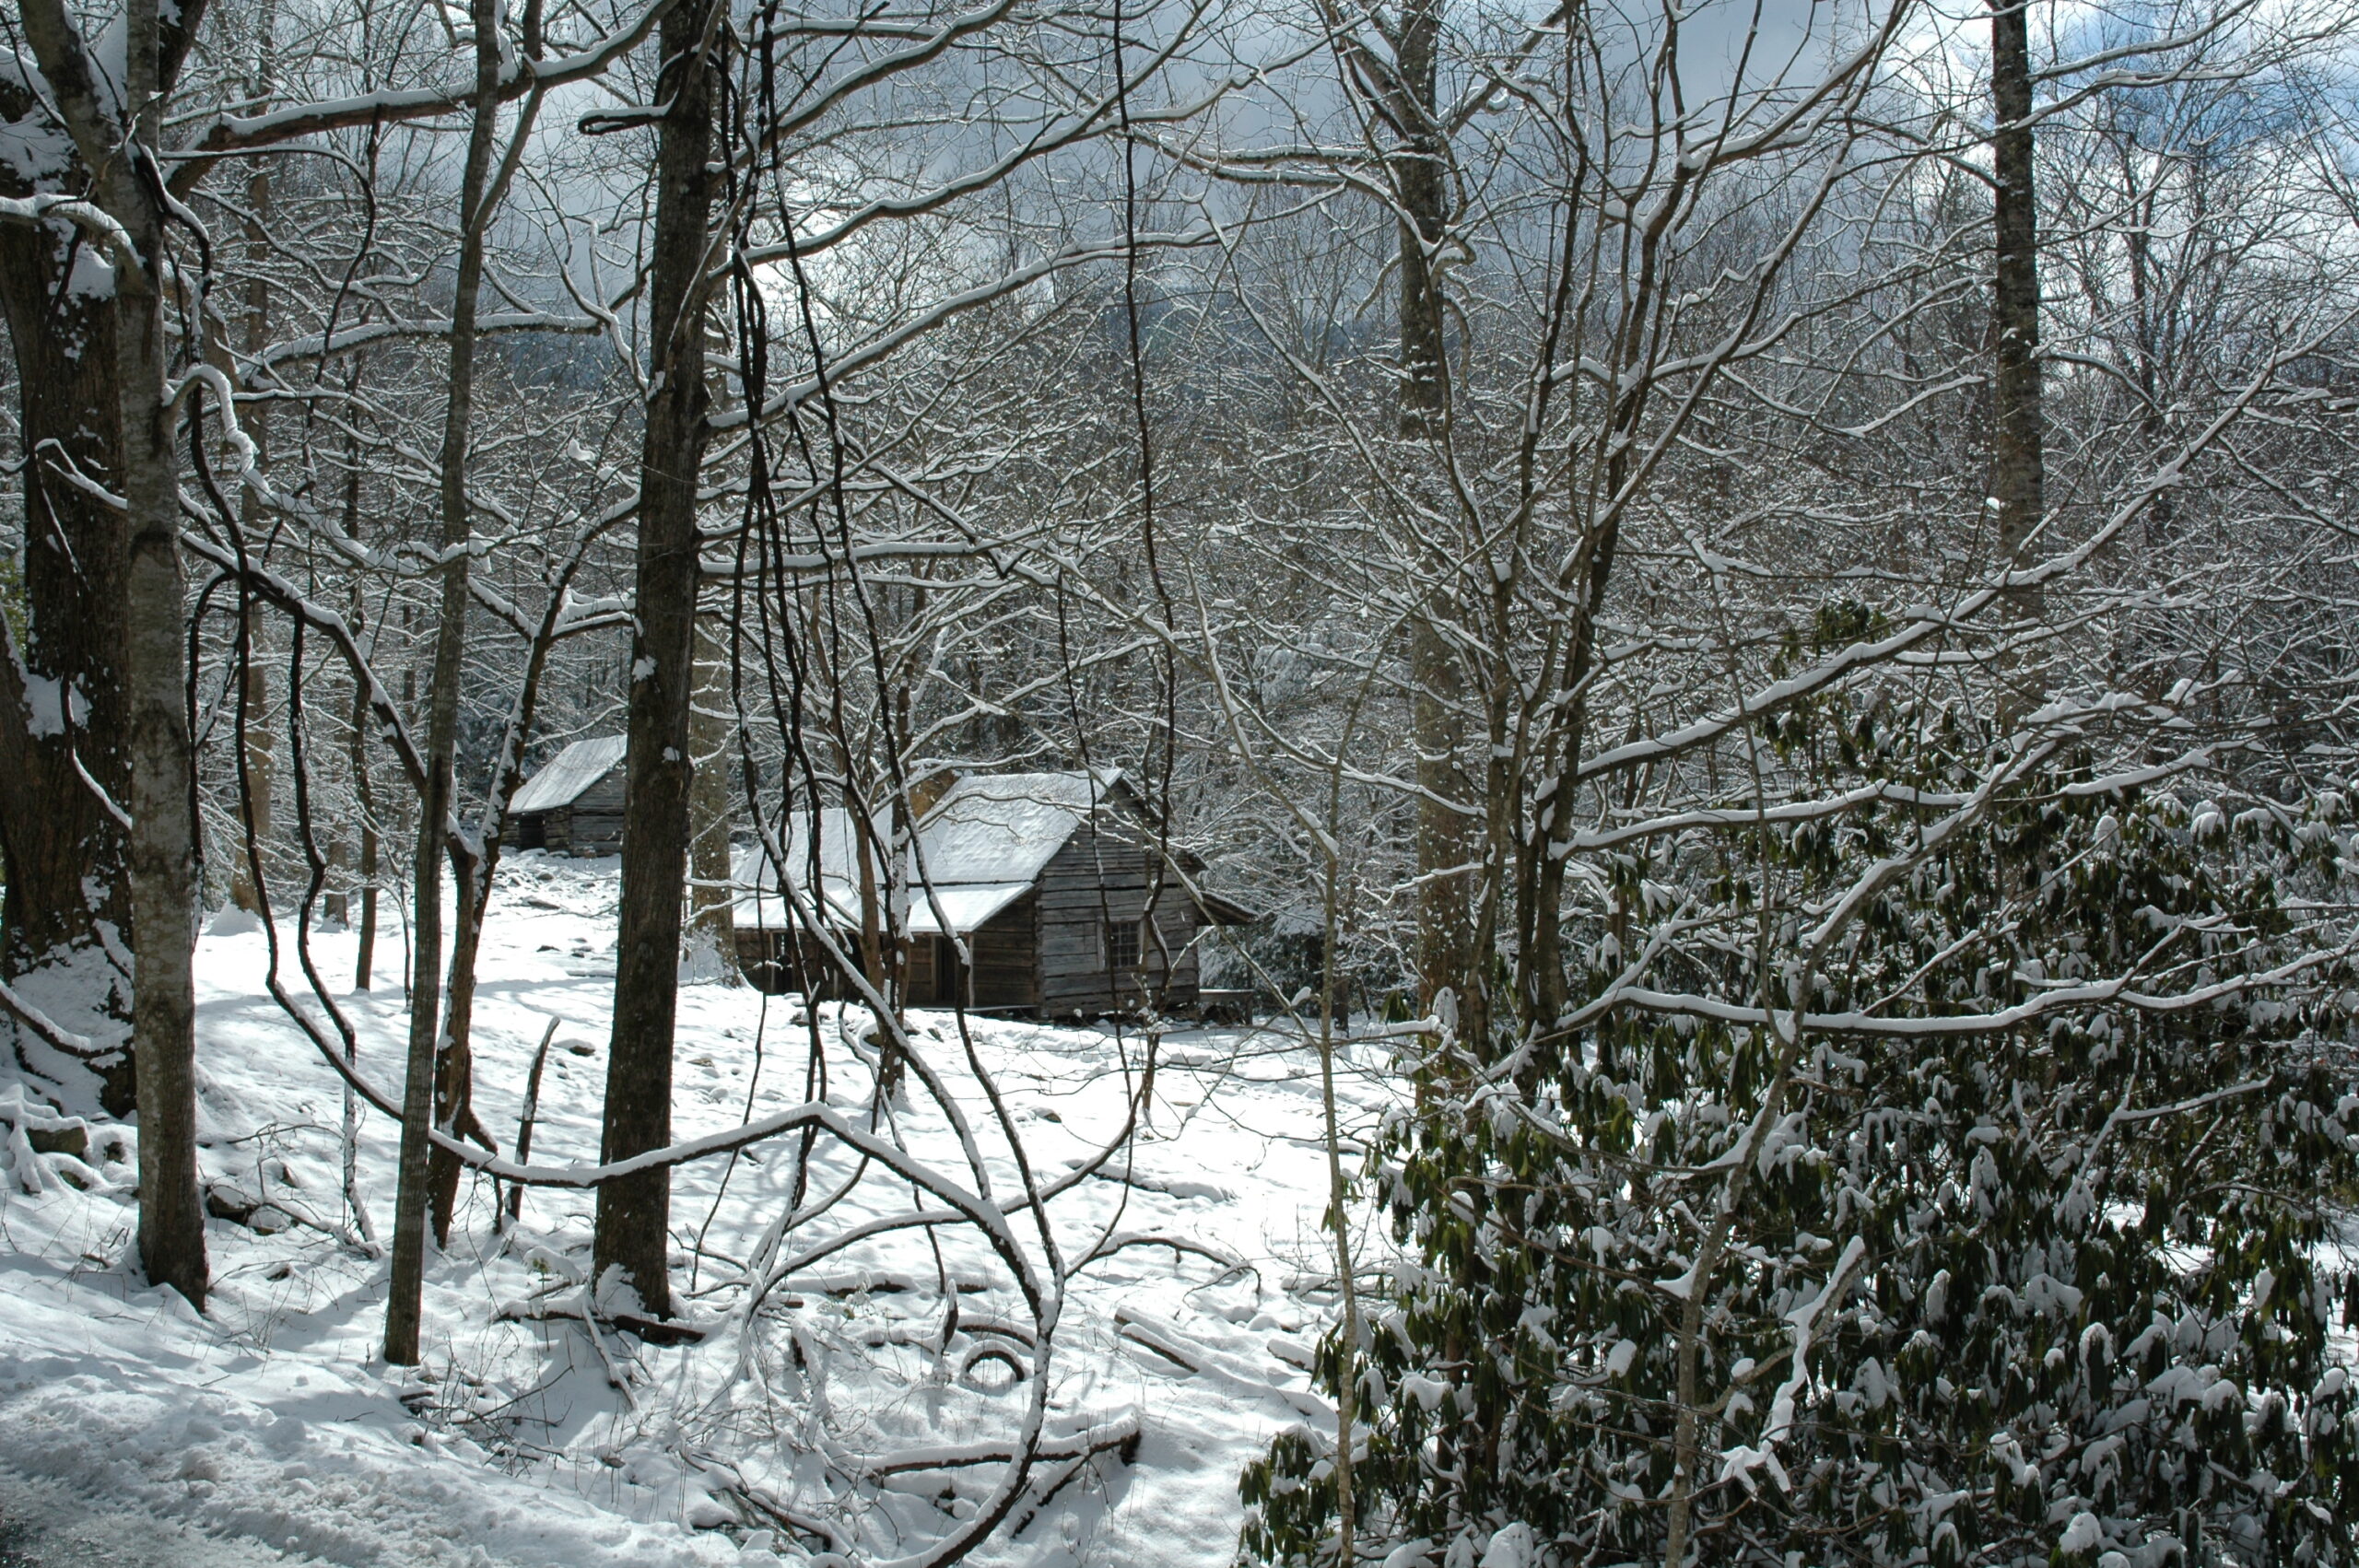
point(574, 805)
point(1044, 878)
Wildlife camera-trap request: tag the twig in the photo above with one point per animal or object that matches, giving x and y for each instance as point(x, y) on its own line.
point(515, 1206)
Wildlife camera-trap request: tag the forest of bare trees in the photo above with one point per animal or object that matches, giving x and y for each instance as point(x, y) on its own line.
point(1758, 597)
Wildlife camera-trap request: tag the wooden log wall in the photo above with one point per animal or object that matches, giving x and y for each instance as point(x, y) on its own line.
point(1004, 952)
point(1095, 878)
point(594, 825)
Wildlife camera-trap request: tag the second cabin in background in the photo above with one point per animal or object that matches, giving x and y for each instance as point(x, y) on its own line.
point(1048, 877)
point(574, 806)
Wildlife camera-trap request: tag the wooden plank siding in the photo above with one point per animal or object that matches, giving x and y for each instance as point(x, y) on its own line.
point(594, 821)
point(1003, 947)
point(1003, 951)
point(1047, 953)
point(1094, 879)
point(773, 964)
point(591, 824)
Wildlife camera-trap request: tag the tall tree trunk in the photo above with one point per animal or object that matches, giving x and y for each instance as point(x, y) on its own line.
point(65, 933)
point(418, 1091)
point(454, 1089)
point(1444, 919)
point(364, 795)
point(2017, 464)
point(337, 912)
point(163, 832)
point(140, 615)
point(712, 924)
point(253, 724)
point(454, 1110)
point(62, 700)
point(633, 1231)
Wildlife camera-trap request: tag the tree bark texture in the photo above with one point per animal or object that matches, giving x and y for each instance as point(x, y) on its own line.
point(66, 934)
point(254, 731)
point(633, 1232)
point(1444, 916)
point(364, 792)
point(713, 921)
point(253, 724)
point(454, 1108)
point(163, 833)
point(2017, 461)
point(122, 374)
point(365, 959)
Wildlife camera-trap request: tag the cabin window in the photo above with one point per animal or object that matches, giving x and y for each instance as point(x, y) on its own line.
point(1122, 945)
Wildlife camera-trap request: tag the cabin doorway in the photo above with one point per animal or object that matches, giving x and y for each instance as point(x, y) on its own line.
point(950, 987)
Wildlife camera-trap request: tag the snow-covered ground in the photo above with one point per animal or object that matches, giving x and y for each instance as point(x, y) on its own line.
point(271, 1430)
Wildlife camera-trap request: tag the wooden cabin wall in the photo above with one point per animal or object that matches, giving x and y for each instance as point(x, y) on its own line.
point(1093, 877)
point(1005, 953)
point(592, 824)
point(772, 964)
point(1046, 952)
point(761, 959)
point(595, 818)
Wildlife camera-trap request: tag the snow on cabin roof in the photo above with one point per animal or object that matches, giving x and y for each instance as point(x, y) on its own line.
point(1004, 828)
point(980, 849)
point(965, 906)
point(569, 773)
point(832, 834)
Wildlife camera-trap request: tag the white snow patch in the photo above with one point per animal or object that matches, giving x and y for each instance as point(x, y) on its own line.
point(44, 705)
point(271, 1426)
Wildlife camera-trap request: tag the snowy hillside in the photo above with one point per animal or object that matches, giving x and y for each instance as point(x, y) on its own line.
point(275, 1421)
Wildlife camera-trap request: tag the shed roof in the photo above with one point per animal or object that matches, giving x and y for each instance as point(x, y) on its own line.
point(758, 903)
point(571, 772)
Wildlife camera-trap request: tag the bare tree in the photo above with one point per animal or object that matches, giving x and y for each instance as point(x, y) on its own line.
point(633, 1230)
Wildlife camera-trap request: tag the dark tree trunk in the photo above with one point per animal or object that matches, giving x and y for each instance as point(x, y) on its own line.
point(454, 1089)
point(1445, 955)
point(65, 930)
point(634, 1216)
point(252, 716)
point(365, 963)
point(338, 910)
point(128, 362)
point(455, 1077)
point(364, 790)
point(2017, 464)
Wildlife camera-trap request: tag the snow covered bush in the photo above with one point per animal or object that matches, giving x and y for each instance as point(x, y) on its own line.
point(2020, 1244)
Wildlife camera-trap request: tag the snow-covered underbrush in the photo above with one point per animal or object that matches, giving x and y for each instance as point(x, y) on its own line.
point(879, 1321)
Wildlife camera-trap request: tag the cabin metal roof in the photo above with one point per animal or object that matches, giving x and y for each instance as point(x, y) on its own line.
point(1004, 828)
point(978, 850)
point(569, 773)
point(830, 834)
